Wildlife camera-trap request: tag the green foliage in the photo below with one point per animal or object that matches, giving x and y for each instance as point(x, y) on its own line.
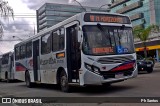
point(5, 12)
point(143, 34)
point(5, 9)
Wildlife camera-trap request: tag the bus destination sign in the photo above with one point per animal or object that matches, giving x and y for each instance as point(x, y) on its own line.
point(106, 18)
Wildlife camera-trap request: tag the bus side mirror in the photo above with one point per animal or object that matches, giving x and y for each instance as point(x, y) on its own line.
point(79, 36)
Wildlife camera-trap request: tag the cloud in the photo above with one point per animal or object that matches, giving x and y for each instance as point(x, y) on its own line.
point(19, 28)
point(22, 27)
point(20, 24)
point(35, 4)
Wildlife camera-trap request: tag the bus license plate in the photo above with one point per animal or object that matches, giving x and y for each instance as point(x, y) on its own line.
point(119, 75)
point(148, 65)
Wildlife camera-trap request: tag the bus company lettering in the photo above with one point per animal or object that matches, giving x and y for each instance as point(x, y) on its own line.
point(49, 61)
point(108, 19)
point(60, 61)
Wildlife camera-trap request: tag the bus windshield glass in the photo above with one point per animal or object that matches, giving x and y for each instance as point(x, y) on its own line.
point(103, 40)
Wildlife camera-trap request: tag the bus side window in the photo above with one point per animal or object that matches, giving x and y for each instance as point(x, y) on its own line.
point(46, 44)
point(29, 49)
point(17, 53)
point(61, 39)
point(22, 51)
point(58, 40)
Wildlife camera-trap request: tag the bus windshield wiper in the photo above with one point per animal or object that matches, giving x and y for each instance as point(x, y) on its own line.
point(106, 35)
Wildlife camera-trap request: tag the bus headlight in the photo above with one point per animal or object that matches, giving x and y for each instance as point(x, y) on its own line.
point(96, 70)
point(87, 66)
point(92, 68)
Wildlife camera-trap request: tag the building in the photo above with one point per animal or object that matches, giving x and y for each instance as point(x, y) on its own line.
point(142, 13)
point(50, 14)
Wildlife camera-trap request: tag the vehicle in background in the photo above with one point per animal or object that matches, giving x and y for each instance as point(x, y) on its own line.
point(144, 64)
point(7, 70)
point(151, 59)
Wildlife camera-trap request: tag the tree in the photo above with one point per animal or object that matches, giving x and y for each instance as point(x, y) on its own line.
point(5, 12)
point(143, 34)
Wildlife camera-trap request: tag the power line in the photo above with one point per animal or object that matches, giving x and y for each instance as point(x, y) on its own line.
point(24, 17)
point(6, 40)
point(18, 24)
point(18, 15)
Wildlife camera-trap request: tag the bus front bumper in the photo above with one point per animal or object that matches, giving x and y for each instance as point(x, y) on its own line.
point(91, 78)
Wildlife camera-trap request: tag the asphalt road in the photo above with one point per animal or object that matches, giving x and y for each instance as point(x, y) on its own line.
point(145, 85)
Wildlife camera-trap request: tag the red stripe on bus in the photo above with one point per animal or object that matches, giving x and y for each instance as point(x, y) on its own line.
point(20, 68)
point(124, 67)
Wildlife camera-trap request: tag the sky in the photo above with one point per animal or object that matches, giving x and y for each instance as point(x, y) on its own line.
point(24, 23)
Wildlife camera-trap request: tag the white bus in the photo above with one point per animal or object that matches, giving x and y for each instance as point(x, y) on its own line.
point(90, 48)
point(7, 70)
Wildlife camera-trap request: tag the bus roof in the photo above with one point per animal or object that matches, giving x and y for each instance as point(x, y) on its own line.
point(63, 23)
point(6, 53)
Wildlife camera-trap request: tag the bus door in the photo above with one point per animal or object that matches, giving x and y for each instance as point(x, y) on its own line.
point(73, 53)
point(36, 60)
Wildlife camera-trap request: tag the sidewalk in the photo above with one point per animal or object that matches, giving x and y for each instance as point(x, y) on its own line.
point(157, 65)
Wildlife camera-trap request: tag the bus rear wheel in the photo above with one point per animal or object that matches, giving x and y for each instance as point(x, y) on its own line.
point(28, 80)
point(64, 82)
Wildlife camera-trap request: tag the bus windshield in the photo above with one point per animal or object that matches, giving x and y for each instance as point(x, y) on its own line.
point(5, 59)
point(105, 40)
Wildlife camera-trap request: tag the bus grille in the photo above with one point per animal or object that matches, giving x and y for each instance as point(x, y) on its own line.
point(109, 74)
point(113, 60)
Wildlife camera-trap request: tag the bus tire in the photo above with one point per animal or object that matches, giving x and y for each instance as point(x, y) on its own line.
point(28, 80)
point(64, 82)
point(106, 85)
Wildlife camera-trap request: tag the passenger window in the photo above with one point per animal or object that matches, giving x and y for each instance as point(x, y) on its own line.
point(22, 52)
point(46, 44)
point(29, 49)
point(17, 53)
point(58, 40)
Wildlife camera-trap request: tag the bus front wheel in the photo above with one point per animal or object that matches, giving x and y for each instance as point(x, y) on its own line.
point(64, 82)
point(28, 80)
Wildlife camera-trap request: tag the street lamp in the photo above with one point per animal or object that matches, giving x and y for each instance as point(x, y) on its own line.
point(80, 5)
point(104, 5)
point(18, 38)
